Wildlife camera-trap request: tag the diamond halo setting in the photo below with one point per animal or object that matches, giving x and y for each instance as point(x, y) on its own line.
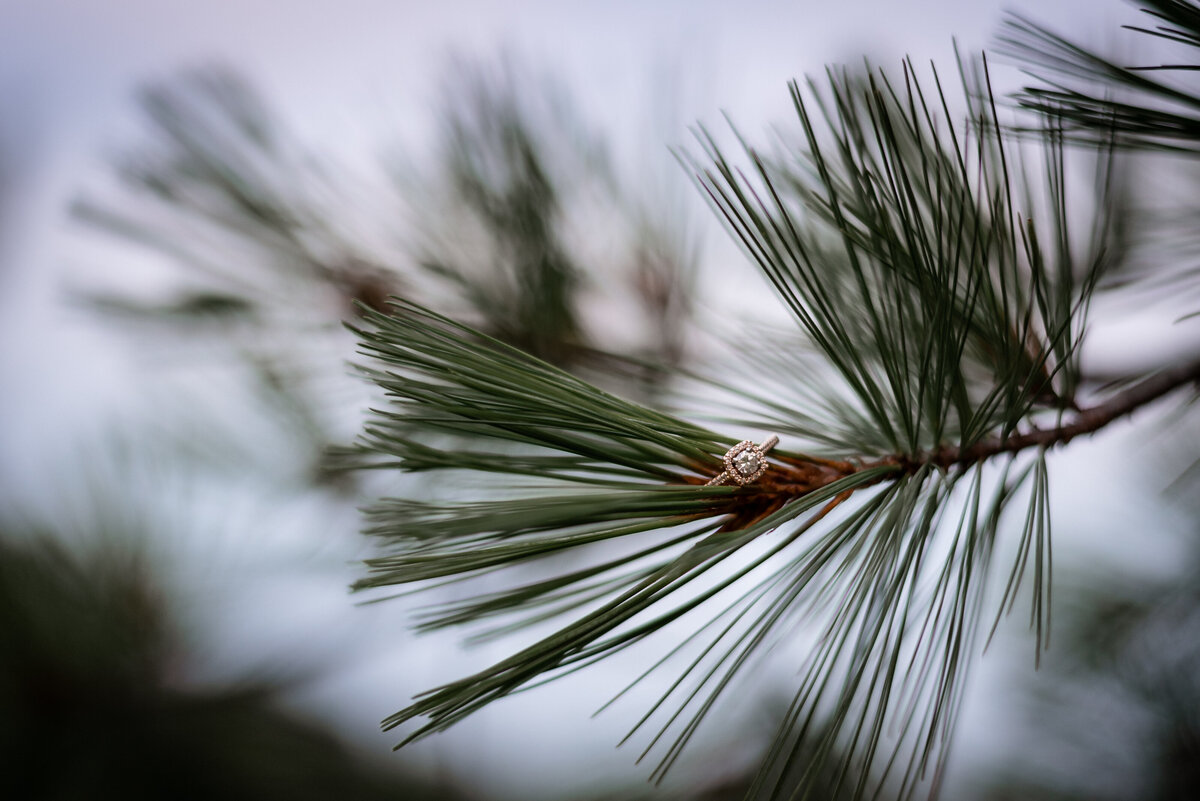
point(744, 462)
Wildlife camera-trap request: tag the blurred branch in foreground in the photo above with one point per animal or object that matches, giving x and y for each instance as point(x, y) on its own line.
point(93, 703)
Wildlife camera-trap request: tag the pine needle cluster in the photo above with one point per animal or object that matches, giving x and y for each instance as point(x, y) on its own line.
point(942, 273)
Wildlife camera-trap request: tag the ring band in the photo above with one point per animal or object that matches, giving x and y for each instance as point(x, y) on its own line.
point(744, 462)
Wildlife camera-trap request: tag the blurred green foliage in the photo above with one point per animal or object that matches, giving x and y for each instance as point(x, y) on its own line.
point(95, 702)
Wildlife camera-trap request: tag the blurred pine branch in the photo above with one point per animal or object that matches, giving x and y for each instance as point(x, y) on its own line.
point(273, 244)
point(93, 703)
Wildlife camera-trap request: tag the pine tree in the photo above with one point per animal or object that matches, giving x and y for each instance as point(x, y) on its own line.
point(937, 275)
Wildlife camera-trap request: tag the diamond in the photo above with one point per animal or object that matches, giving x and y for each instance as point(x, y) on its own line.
point(747, 462)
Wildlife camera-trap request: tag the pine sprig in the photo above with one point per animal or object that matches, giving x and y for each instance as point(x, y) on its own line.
point(445, 378)
point(463, 383)
point(938, 281)
point(907, 247)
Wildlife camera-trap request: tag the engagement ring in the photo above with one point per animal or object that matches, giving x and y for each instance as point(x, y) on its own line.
point(744, 462)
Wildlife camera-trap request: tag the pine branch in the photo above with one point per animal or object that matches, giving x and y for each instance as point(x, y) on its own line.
point(608, 470)
point(1087, 421)
point(947, 323)
point(797, 476)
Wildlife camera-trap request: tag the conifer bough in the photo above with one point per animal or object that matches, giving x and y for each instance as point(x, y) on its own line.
point(931, 271)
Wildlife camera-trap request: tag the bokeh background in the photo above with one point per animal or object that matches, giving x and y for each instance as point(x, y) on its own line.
point(191, 197)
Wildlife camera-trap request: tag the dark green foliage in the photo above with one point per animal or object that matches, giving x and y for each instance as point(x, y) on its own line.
point(938, 281)
point(907, 248)
point(92, 704)
point(1115, 711)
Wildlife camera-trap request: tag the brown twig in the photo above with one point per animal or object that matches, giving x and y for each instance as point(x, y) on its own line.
point(1087, 421)
point(799, 477)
